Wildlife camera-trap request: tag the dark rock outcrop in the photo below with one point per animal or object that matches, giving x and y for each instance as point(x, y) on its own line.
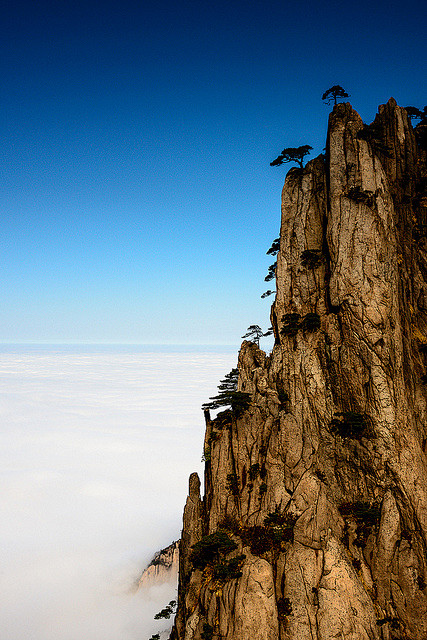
point(313, 525)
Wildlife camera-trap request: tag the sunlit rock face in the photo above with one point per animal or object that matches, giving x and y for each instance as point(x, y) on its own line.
point(313, 525)
point(162, 568)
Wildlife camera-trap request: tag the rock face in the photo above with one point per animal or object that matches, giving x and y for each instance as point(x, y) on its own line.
point(162, 568)
point(313, 525)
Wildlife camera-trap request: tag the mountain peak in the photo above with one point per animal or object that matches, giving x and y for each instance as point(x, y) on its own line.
point(313, 525)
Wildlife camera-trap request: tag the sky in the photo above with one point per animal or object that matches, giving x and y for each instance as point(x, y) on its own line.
point(96, 448)
point(137, 197)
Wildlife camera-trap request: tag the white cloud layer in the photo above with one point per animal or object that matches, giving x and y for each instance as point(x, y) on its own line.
point(95, 454)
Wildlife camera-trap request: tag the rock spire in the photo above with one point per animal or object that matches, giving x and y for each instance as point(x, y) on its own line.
point(313, 525)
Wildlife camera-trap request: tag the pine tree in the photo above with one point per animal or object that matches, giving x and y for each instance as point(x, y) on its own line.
point(334, 93)
point(229, 395)
point(254, 333)
point(292, 154)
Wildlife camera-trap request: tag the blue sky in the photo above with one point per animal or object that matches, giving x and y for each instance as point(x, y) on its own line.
point(137, 200)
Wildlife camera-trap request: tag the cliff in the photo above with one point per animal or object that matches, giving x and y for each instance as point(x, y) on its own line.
point(162, 568)
point(313, 525)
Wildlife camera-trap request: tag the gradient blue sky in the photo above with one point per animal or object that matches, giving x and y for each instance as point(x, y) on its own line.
point(137, 199)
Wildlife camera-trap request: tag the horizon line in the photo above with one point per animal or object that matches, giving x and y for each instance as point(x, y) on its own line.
point(142, 344)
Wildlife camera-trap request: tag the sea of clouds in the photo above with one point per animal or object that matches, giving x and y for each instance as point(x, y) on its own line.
point(96, 446)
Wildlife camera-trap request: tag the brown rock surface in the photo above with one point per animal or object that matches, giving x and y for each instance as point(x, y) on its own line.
point(322, 482)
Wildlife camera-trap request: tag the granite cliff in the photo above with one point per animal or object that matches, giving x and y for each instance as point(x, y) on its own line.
point(162, 568)
point(313, 523)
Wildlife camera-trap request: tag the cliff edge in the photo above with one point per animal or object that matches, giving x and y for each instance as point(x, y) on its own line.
point(313, 525)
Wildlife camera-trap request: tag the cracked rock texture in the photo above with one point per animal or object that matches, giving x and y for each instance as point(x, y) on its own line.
point(322, 482)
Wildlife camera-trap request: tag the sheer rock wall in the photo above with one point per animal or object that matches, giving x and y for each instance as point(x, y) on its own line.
point(333, 443)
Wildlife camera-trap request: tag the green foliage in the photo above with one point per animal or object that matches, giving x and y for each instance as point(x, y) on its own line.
point(362, 195)
point(231, 524)
point(274, 519)
point(310, 322)
point(253, 471)
point(271, 274)
point(275, 247)
point(211, 549)
point(333, 94)
point(229, 396)
point(267, 293)
point(281, 525)
point(311, 258)
point(292, 154)
point(279, 519)
point(228, 569)
point(367, 517)
point(207, 453)
point(254, 333)
point(239, 402)
point(351, 425)
point(360, 511)
point(167, 612)
point(284, 607)
point(290, 324)
point(155, 636)
point(278, 529)
point(233, 484)
point(260, 539)
point(207, 633)
point(230, 381)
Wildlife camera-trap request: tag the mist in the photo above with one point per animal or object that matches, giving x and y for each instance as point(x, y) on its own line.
point(95, 453)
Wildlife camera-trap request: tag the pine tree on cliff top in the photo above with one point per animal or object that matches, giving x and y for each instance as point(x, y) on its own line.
point(292, 154)
point(333, 94)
